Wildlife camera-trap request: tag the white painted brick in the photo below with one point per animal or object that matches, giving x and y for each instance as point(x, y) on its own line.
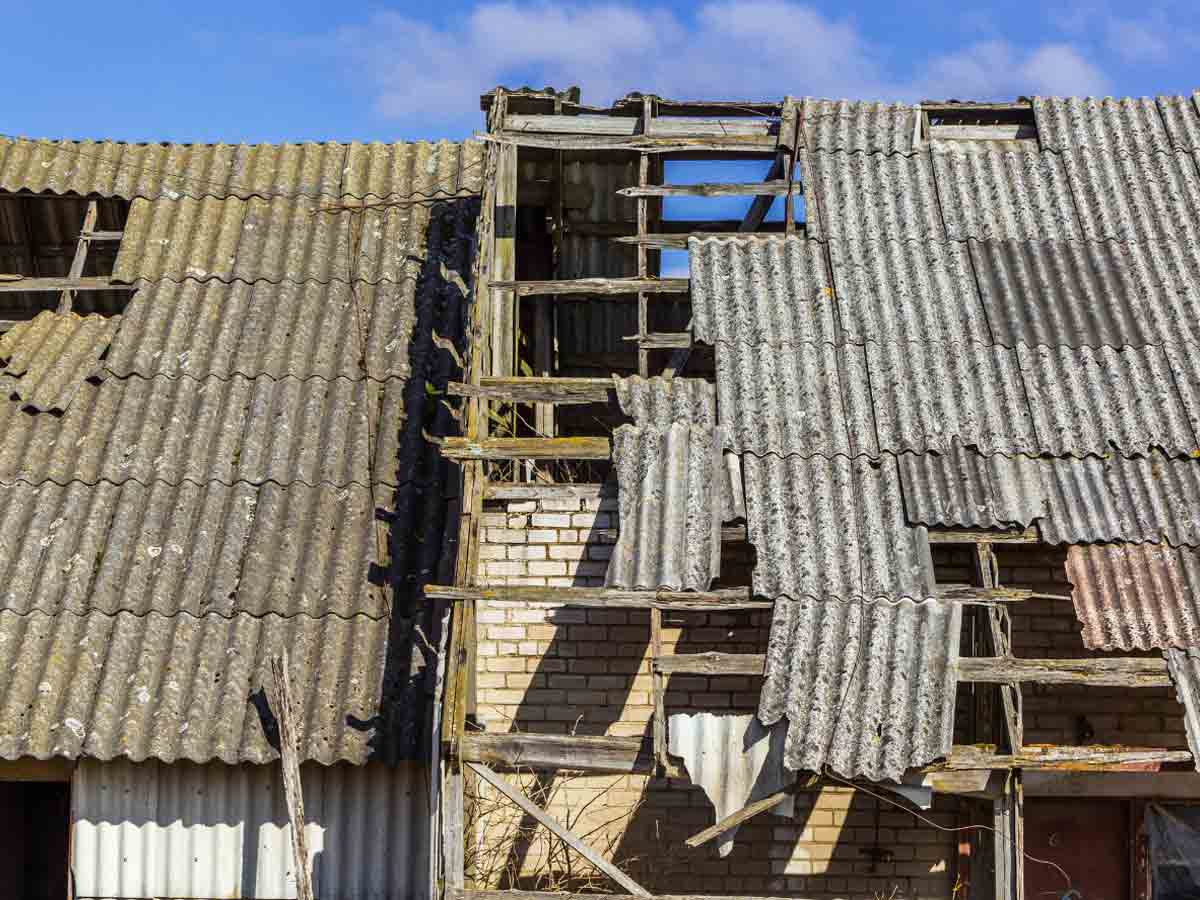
point(493, 520)
point(568, 551)
point(541, 536)
point(505, 536)
point(527, 551)
point(528, 616)
point(560, 582)
point(518, 521)
point(504, 568)
point(547, 568)
point(568, 537)
point(486, 648)
point(491, 551)
point(522, 506)
point(561, 504)
point(534, 582)
point(493, 616)
point(506, 633)
point(527, 648)
point(551, 520)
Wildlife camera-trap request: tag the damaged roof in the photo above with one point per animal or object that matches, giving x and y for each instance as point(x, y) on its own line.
point(966, 334)
point(236, 463)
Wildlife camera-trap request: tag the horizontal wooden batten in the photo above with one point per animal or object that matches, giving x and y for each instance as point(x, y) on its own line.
point(500, 490)
point(983, 132)
point(983, 536)
point(9, 283)
point(637, 143)
point(101, 235)
point(662, 340)
point(777, 188)
point(584, 124)
point(1132, 672)
point(527, 448)
point(607, 598)
point(694, 126)
point(536, 390)
point(595, 286)
point(712, 663)
point(1060, 757)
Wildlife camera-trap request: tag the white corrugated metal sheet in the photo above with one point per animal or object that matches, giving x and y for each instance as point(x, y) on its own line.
point(147, 830)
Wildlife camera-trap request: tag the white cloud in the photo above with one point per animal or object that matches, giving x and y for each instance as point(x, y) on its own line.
point(745, 49)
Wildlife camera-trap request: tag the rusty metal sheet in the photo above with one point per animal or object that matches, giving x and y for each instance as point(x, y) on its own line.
point(801, 399)
point(925, 395)
point(833, 528)
point(966, 489)
point(212, 430)
point(177, 687)
point(907, 291)
point(867, 688)
point(1092, 401)
point(188, 548)
point(763, 290)
point(1136, 596)
point(417, 170)
point(1144, 499)
point(45, 361)
point(859, 125)
point(871, 196)
point(991, 194)
point(1127, 125)
point(1064, 293)
point(1143, 197)
point(669, 494)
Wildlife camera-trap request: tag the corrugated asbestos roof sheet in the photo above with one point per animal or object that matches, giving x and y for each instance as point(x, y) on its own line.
point(44, 361)
point(991, 194)
point(659, 402)
point(867, 688)
point(210, 430)
point(303, 330)
point(833, 528)
point(1136, 596)
point(176, 687)
point(1184, 666)
point(1090, 401)
point(669, 492)
point(1128, 125)
point(769, 290)
point(1044, 292)
point(967, 489)
point(859, 126)
point(189, 548)
point(247, 470)
point(115, 169)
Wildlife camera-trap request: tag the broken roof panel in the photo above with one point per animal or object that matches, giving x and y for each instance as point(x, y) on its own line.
point(990, 194)
point(833, 528)
point(1184, 666)
point(1089, 401)
point(966, 489)
point(660, 402)
point(304, 330)
point(867, 688)
point(803, 399)
point(907, 291)
point(1144, 197)
point(176, 687)
point(669, 493)
point(45, 361)
point(859, 125)
point(187, 548)
point(1045, 292)
point(214, 430)
point(870, 196)
point(1128, 125)
point(773, 290)
point(925, 395)
point(1136, 596)
point(330, 170)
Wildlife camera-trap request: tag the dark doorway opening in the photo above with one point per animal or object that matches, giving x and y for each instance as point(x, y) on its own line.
point(35, 821)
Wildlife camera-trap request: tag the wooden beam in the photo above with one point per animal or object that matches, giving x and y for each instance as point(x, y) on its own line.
point(526, 448)
point(1127, 672)
point(549, 124)
point(80, 258)
point(100, 283)
point(762, 203)
point(735, 819)
point(501, 491)
point(658, 693)
point(607, 598)
point(662, 340)
point(532, 809)
point(711, 663)
point(1038, 756)
point(102, 235)
point(671, 241)
point(778, 188)
point(983, 132)
point(689, 126)
point(638, 143)
point(555, 751)
point(975, 535)
point(289, 762)
point(596, 286)
point(536, 389)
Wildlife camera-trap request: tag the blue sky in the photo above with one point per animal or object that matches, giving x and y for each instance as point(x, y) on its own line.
point(306, 70)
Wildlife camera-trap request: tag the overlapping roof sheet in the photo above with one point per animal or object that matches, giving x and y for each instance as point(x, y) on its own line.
point(867, 688)
point(859, 126)
point(246, 469)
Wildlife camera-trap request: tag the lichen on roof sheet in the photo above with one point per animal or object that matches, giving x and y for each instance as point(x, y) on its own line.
point(45, 361)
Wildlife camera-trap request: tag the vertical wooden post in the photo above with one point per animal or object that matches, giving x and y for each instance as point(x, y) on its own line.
point(657, 687)
point(997, 642)
point(67, 298)
point(643, 211)
point(789, 139)
point(290, 765)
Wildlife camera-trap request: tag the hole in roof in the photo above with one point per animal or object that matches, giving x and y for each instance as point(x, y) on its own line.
point(976, 121)
point(721, 209)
